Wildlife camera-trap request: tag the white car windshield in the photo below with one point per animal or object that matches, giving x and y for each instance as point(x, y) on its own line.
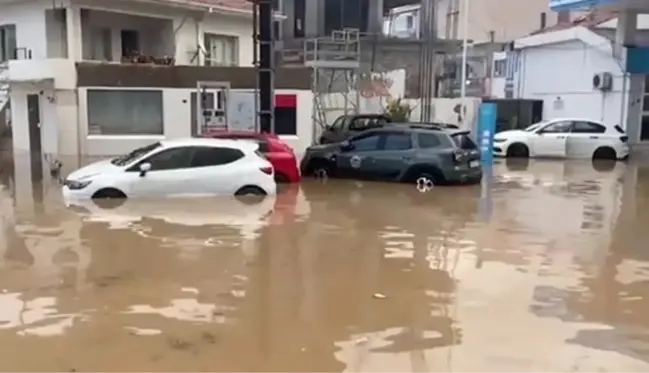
point(534, 127)
point(135, 154)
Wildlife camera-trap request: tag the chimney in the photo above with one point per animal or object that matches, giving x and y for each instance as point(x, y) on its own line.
point(543, 20)
point(563, 16)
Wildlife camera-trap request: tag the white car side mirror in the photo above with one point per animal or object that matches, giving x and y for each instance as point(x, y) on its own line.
point(144, 168)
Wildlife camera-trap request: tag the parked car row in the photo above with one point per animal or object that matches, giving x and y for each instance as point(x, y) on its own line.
point(244, 163)
point(240, 163)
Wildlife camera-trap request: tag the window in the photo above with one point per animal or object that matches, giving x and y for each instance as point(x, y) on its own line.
point(130, 40)
point(464, 141)
point(101, 45)
point(7, 42)
point(398, 141)
point(557, 127)
point(338, 123)
point(135, 154)
point(428, 140)
point(221, 50)
point(499, 68)
point(366, 143)
point(359, 124)
point(115, 112)
point(170, 159)
point(210, 156)
point(410, 22)
point(587, 127)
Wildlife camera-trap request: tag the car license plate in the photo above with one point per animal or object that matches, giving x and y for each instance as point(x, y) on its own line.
point(473, 164)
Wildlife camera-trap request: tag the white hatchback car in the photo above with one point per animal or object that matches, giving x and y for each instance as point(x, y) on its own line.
point(191, 167)
point(564, 138)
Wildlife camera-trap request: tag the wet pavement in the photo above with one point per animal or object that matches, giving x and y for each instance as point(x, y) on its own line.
point(546, 270)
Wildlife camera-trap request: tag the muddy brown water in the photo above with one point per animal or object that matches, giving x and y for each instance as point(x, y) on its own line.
point(340, 276)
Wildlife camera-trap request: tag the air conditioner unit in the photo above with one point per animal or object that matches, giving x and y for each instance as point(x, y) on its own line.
point(603, 81)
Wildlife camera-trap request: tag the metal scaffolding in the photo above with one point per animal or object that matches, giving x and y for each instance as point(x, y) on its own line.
point(336, 64)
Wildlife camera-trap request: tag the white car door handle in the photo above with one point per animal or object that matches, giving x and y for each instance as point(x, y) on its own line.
point(561, 137)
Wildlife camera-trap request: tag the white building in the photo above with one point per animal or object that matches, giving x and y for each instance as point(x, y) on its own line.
point(578, 71)
point(90, 77)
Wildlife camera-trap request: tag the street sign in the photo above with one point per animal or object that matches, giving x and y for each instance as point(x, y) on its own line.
point(486, 129)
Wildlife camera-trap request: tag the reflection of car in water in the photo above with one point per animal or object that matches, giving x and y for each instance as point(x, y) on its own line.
point(176, 168)
point(188, 212)
point(406, 153)
point(564, 138)
point(248, 214)
point(390, 204)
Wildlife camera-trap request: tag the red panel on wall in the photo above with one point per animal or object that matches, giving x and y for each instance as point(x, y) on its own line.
point(286, 101)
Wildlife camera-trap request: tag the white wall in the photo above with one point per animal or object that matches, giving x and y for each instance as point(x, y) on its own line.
point(177, 124)
point(29, 18)
point(563, 72)
point(48, 116)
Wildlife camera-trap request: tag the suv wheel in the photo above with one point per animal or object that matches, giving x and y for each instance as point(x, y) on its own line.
point(425, 182)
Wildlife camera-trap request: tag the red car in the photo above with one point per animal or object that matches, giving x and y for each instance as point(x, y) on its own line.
point(280, 154)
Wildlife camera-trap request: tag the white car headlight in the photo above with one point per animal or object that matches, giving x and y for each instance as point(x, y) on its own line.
point(77, 185)
point(499, 140)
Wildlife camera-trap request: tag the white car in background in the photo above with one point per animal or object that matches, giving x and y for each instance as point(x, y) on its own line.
point(564, 138)
point(176, 168)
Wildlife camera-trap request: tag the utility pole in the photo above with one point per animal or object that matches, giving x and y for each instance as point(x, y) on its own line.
point(451, 34)
point(264, 44)
point(428, 37)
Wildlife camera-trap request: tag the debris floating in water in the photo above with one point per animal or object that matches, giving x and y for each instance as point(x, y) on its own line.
point(379, 296)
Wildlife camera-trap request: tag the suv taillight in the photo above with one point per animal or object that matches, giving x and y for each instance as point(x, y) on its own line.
point(624, 138)
point(457, 156)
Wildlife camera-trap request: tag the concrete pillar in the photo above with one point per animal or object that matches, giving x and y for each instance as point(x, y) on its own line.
point(375, 17)
point(288, 8)
point(631, 112)
point(73, 26)
point(200, 43)
point(314, 18)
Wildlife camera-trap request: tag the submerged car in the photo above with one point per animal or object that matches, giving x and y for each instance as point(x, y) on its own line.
point(173, 168)
point(279, 153)
point(564, 138)
point(410, 153)
point(348, 126)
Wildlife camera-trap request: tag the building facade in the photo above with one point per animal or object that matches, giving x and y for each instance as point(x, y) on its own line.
point(193, 64)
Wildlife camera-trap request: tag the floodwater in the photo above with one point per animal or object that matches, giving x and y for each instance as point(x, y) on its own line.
point(545, 270)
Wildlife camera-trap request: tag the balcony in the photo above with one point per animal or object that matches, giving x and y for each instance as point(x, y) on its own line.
point(99, 35)
point(116, 37)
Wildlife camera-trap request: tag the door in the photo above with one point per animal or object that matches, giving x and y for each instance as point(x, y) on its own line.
point(170, 174)
point(359, 162)
point(130, 40)
point(334, 133)
point(395, 156)
point(299, 7)
point(584, 138)
point(35, 146)
point(551, 140)
point(215, 171)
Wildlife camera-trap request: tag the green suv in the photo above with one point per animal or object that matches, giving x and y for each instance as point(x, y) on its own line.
point(405, 153)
